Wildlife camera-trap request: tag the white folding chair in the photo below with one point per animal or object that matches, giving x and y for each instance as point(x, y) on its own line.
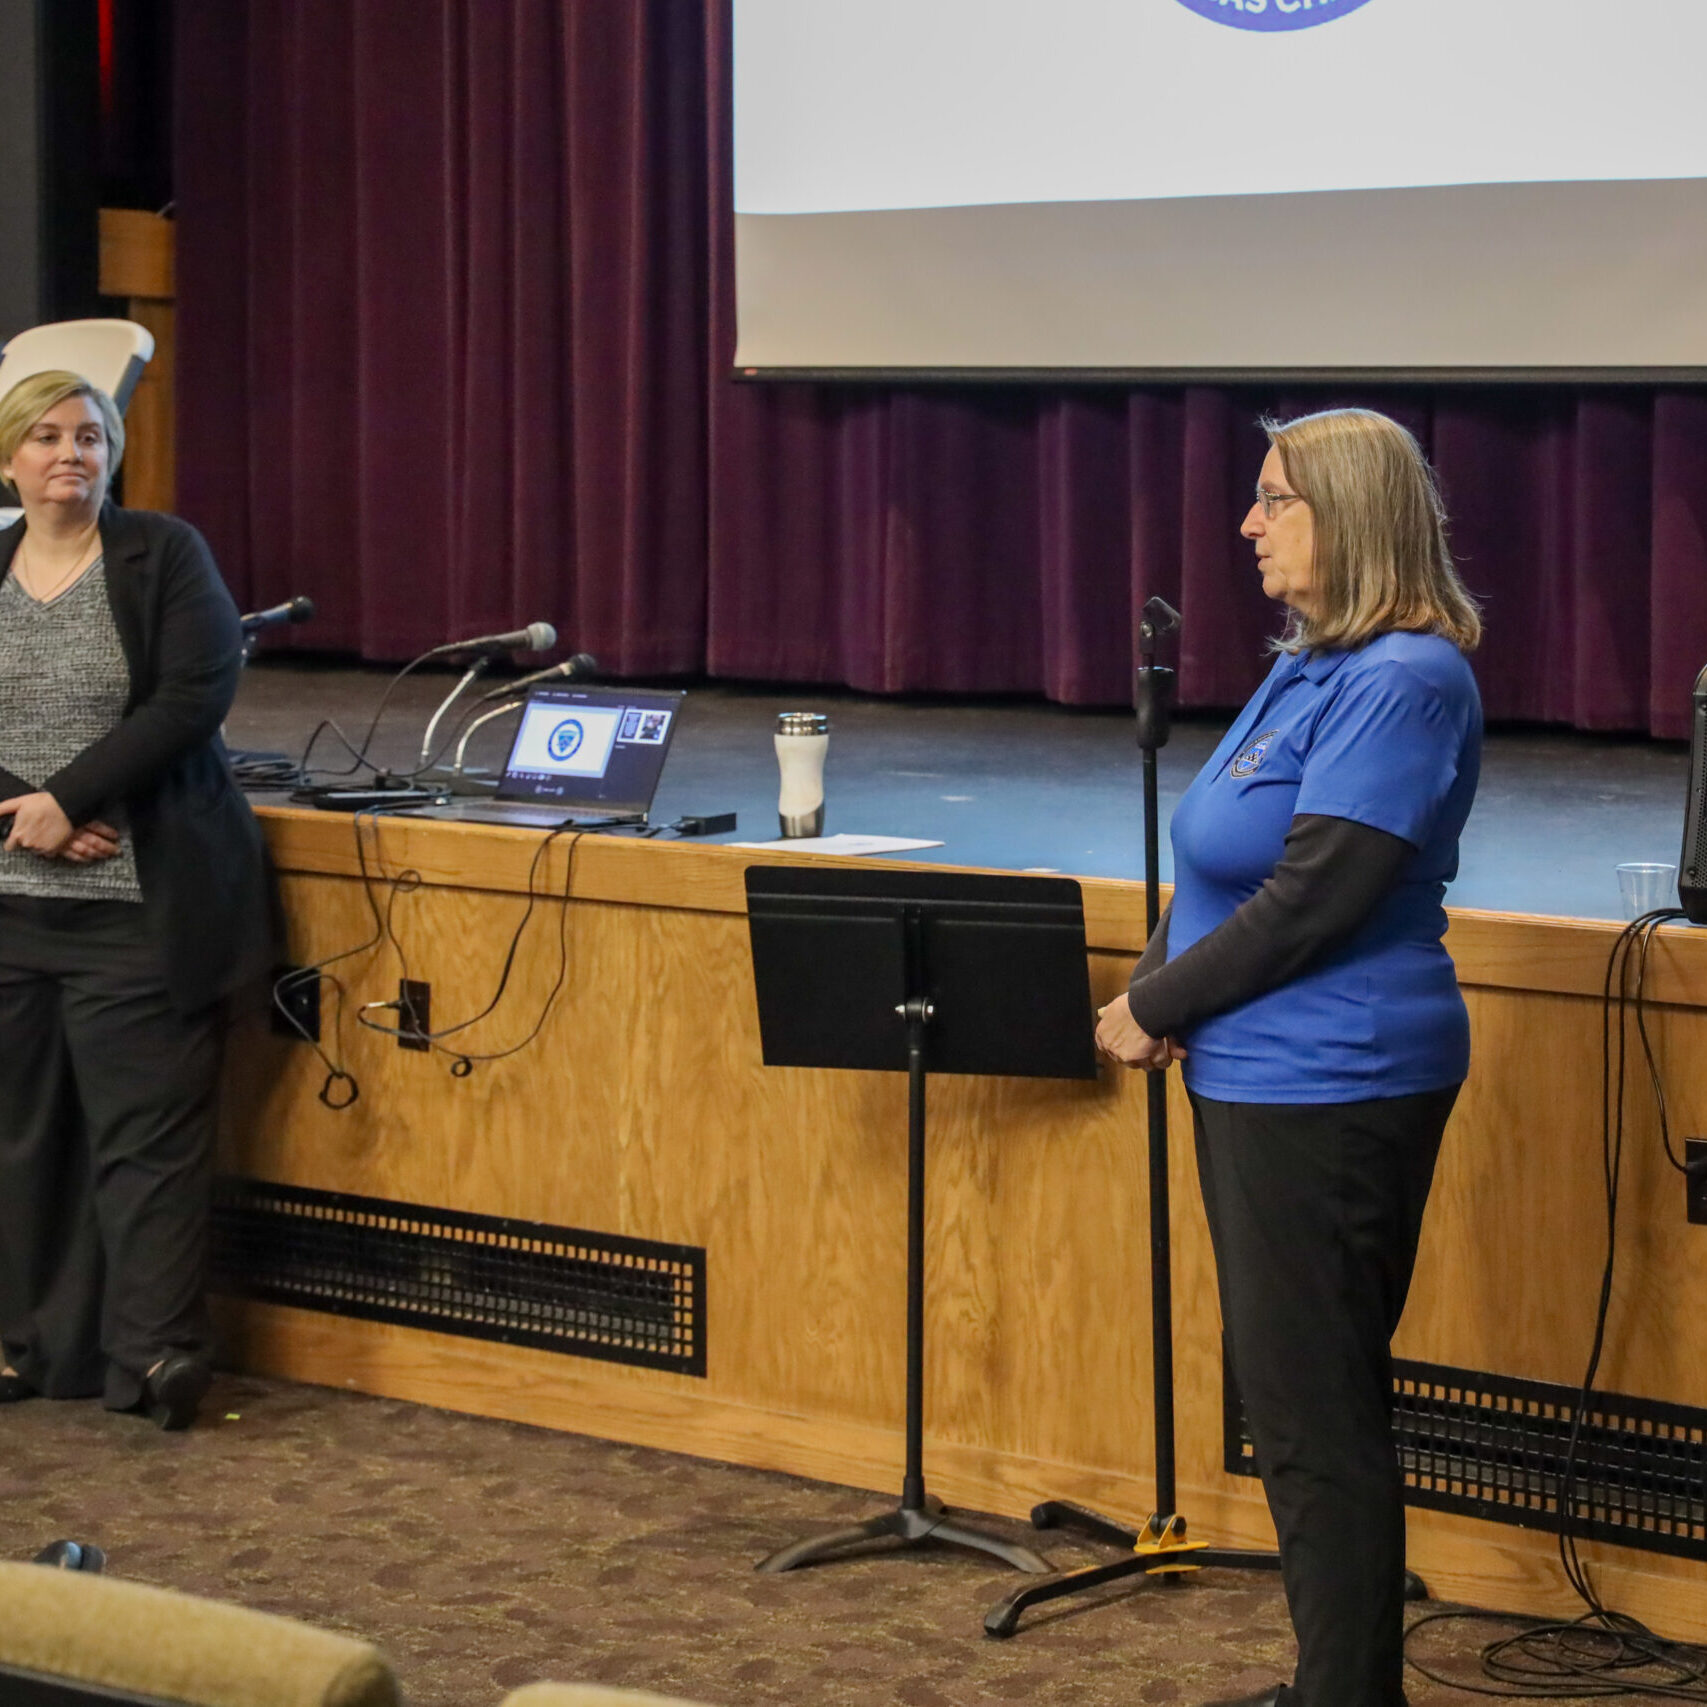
point(107, 353)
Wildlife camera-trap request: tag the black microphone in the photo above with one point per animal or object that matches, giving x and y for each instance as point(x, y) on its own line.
point(298, 609)
point(536, 637)
point(582, 664)
point(1692, 862)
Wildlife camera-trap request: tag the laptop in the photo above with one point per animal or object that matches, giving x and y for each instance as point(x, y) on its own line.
point(590, 756)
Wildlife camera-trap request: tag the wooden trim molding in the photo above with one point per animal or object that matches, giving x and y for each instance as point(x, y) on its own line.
point(1512, 951)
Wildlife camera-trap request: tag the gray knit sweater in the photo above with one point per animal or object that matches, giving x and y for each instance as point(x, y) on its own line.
point(63, 685)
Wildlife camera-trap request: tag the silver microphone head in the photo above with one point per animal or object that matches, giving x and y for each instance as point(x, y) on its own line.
point(541, 637)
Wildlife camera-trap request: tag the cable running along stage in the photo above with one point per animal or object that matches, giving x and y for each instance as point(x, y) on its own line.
point(1604, 1652)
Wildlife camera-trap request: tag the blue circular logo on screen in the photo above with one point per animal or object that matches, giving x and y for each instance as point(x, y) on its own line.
point(564, 741)
point(1272, 14)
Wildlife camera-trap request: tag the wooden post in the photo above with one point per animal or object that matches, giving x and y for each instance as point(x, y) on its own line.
point(137, 263)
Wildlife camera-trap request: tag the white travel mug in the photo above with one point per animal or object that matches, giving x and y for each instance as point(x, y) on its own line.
point(802, 739)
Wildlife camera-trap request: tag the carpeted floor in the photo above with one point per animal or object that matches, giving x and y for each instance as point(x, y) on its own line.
point(483, 1555)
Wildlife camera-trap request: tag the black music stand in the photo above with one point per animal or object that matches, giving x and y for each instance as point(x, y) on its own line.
point(922, 972)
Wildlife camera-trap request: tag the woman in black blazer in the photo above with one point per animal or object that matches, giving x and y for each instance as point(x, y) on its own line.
point(134, 896)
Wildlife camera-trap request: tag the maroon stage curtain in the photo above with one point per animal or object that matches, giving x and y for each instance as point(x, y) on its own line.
point(442, 316)
point(456, 321)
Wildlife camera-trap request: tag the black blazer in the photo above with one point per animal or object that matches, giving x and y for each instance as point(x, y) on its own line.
point(206, 883)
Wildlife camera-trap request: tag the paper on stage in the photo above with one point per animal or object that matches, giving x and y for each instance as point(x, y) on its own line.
point(839, 844)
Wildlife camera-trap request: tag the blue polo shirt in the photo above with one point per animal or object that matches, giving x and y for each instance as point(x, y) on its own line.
point(1390, 736)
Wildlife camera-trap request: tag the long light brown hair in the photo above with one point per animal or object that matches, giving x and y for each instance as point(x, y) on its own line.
point(1382, 560)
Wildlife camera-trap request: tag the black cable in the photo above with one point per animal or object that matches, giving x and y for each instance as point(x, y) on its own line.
point(317, 973)
point(1634, 939)
point(256, 770)
point(302, 774)
point(464, 1063)
point(358, 755)
point(1604, 1652)
point(1648, 1048)
point(405, 882)
point(1548, 1659)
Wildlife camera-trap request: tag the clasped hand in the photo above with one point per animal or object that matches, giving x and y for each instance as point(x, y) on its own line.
point(1121, 1038)
point(39, 826)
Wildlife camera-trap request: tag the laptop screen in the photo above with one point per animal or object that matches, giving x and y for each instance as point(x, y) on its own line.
point(592, 749)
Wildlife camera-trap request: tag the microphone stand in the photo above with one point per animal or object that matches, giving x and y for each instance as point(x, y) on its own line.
point(260, 767)
point(456, 769)
point(1160, 1548)
point(514, 697)
point(481, 664)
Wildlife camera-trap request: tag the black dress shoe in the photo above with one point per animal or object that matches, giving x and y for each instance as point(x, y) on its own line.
point(15, 1387)
point(71, 1556)
point(173, 1393)
point(1276, 1697)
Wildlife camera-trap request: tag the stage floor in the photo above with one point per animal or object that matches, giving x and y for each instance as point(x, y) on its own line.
point(1027, 787)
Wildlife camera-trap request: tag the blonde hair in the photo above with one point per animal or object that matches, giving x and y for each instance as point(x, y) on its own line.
point(27, 401)
point(1382, 560)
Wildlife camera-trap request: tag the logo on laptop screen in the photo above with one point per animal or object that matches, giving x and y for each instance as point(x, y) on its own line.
point(1272, 14)
point(565, 740)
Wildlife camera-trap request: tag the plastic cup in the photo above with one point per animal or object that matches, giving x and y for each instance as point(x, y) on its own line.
point(1646, 888)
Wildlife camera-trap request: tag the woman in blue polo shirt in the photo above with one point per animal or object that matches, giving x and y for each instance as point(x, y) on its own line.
point(1300, 979)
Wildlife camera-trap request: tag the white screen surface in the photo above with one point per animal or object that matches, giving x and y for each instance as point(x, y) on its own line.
point(557, 740)
point(929, 183)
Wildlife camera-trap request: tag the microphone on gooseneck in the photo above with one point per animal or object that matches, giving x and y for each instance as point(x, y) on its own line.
point(536, 637)
point(571, 669)
point(298, 609)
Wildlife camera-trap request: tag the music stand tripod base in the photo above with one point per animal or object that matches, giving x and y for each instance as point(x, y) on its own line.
point(912, 1528)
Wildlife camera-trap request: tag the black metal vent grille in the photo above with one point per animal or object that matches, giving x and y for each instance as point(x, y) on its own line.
point(480, 1276)
point(1493, 1446)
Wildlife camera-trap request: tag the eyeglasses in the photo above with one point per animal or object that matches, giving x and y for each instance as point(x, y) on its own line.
point(1270, 502)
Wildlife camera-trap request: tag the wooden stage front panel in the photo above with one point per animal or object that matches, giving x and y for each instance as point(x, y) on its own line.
point(642, 1109)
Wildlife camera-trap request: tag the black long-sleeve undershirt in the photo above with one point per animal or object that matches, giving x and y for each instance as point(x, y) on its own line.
point(1331, 876)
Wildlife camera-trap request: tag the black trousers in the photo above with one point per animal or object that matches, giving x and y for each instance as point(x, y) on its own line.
point(1315, 1212)
point(108, 1099)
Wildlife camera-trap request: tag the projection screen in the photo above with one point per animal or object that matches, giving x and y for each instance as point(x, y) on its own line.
point(1222, 188)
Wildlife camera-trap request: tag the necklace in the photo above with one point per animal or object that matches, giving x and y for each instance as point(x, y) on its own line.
point(29, 575)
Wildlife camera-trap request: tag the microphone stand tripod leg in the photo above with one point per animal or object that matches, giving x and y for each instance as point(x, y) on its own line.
point(474, 671)
point(1064, 1514)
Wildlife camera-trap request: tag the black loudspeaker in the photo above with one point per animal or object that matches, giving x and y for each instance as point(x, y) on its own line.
point(1692, 862)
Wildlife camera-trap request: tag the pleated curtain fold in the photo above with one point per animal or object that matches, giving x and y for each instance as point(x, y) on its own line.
point(456, 322)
